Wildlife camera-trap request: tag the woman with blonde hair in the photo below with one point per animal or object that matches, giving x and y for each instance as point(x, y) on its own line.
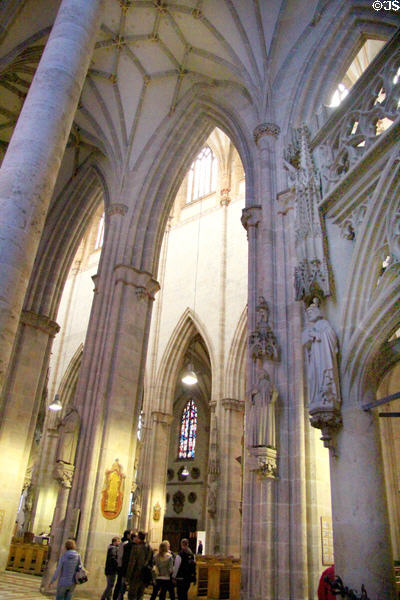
point(67, 566)
point(164, 564)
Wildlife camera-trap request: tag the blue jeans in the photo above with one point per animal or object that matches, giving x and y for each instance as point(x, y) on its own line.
point(65, 592)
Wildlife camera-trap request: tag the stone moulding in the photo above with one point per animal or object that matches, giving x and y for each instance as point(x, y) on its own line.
point(41, 322)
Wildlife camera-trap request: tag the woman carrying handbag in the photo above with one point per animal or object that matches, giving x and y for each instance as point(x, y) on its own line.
point(68, 565)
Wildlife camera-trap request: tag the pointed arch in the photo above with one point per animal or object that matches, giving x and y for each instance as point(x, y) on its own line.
point(372, 311)
point(66, 223)
point(160, 175)
point(236, 366)
point(67, 387)
point(186, 328)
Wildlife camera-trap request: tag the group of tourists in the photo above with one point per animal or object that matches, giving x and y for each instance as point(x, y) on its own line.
point(131, 566)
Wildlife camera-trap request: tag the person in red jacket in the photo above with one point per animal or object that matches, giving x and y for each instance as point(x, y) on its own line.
point(324, 590)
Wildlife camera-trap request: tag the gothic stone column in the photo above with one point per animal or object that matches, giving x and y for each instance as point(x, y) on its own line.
point(21, 403)
point(31, 164)
point(108, 398)
point(361, 532)
point(160, 444)
point(63, 474)
point(231, 474)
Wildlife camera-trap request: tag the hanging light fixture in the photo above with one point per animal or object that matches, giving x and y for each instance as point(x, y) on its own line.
point(189, 377)
point(184, 472)
point(56, 404)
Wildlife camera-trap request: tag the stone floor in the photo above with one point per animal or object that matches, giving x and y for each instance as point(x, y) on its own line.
point(14, 586)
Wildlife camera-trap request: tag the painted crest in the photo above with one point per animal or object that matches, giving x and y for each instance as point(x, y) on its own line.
point(156, 512)
point(113, 492)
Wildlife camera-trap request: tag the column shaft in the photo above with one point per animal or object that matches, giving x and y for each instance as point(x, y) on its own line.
point(21, 403)
point(160, 444)
point(361, 532)
point(31, 164)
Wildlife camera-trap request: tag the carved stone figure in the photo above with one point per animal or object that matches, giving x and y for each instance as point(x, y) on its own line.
point(212, 501)
point(262, 340)
point(262, 412)
point(311, 273)
point(321, 348)
point(69, 432)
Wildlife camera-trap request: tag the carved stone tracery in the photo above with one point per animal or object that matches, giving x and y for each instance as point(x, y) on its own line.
point(311, 276)
point(371, 113)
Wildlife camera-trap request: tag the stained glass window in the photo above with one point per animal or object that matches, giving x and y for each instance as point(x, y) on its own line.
point(187, 437)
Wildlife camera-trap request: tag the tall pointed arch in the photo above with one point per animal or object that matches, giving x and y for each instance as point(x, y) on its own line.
point(372, 311)
point(185, 330)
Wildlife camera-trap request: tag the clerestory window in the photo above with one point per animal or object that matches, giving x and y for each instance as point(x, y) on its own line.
point(188, 430)
point(364, 57)
point(202, 176)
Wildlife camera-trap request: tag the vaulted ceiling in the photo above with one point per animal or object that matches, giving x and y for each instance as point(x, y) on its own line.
point(149, 55)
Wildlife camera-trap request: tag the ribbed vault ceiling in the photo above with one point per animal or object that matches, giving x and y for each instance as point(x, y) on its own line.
point(150, 53)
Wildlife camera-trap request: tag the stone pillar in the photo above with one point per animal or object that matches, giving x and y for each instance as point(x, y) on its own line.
point(231, 474)
point(31, 164)
point(361, 531)
point(160, 445)
point(108, 399)
point(21, 402)
point(63, 474)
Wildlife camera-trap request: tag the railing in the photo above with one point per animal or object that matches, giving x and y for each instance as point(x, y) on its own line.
point(341, 137)
point(371, 108)
point(217, 579)
point(27, 557)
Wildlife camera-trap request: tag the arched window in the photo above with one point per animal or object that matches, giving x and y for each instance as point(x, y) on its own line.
point(366, 54)
point(187, 436)
point(202, 176)
point(100, 234)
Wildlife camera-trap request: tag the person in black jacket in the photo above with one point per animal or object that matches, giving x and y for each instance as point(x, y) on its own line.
point(126, 538)
point(184, 572)
point(124, 561)
point(111, 567)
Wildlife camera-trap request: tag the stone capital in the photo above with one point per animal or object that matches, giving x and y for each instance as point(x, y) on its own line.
point(266, 129)
point(251, 216)
point(233, 404)
point(225, 197)
point(143, 282)
point(161, 417)
point(41, 322)
point(117, 209)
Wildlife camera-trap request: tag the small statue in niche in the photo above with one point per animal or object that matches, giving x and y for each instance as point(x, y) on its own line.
point(212, 501)
point(262, 412)
point(321, 349)
point(68, 432)
point(262, 340)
